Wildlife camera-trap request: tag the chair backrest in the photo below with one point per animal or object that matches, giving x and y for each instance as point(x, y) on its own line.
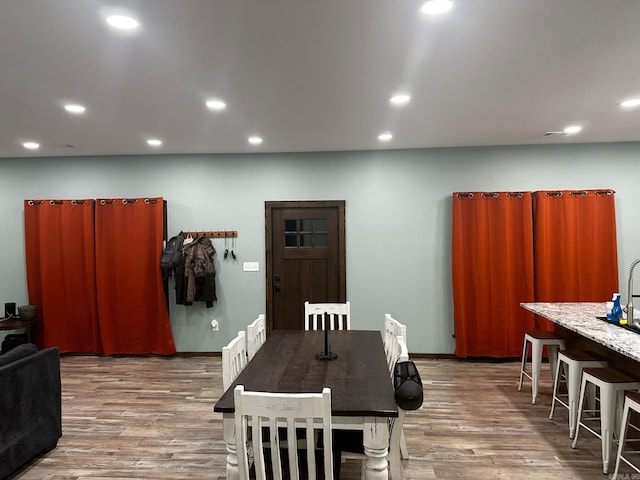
point(338, 315)
point(258, 413)
point(234, 359)
point(392, 330)
point(396, 424)
point(256, 335)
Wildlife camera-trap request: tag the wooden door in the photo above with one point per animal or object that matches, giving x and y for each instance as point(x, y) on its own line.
point(305, 259)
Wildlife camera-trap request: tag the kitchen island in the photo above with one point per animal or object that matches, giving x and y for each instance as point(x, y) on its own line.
point(578, 324)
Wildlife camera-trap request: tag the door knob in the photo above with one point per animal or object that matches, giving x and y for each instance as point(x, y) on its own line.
point(277, 287)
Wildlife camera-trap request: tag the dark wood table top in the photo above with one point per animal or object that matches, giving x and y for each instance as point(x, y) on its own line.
point(15, 323)
point(359, 378)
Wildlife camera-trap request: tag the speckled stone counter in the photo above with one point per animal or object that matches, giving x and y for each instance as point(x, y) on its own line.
point(581, 318)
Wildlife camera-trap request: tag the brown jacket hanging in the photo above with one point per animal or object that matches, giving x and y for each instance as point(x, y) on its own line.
point(195, 278)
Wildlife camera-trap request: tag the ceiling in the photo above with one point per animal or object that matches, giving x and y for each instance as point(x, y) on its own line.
point(315, 75)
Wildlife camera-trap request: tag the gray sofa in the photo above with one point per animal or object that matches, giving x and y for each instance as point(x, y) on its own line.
point(30, 405)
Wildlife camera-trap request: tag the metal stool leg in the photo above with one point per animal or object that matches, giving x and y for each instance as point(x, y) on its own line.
point(623, 437)
point(536, 362)
point(556, 382)
point(579, 416)
point(607, 419)
point(525, 351)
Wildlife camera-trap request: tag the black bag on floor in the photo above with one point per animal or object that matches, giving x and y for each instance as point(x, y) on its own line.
point(13, 340)
point(408, 385)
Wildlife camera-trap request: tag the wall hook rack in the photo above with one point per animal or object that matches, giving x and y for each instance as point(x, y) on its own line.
point(211, 233)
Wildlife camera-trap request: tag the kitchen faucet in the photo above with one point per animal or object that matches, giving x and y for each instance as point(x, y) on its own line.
point(629, 307)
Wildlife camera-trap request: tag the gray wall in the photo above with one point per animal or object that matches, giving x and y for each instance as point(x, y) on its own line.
point(398, 218)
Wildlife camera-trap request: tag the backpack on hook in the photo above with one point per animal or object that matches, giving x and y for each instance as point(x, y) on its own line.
point(171, 255)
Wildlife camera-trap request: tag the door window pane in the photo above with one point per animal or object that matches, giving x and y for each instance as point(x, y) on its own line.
point(320, 240)
point(290, 240)
point(290, 225)
point(320, 225)
point(306, 225)
point(306, 240)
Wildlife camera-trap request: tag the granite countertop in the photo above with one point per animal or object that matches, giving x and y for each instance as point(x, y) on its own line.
point(580, 317)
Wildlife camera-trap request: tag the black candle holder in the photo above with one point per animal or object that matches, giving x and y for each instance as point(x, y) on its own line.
point(326, 355)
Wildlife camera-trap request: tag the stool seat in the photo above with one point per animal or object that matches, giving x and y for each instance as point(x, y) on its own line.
point(538, 339)
point(569, 369)
point(542, 335)
point(611, 384)
point(610, 375)
point(631, 403)
point(581, 355)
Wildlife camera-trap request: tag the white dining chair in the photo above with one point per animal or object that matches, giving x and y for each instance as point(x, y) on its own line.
point(234, 359)
point(256, 335)
point(392, 330)
point(395, 428)
point(397, 441)
point(261, 420)
point(338, 314)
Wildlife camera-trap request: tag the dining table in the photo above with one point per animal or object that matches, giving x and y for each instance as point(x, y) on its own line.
point(362, 395)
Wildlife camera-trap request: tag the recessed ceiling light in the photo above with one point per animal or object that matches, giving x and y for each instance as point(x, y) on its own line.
point(122, 22)
point(570, 130)
point(154, 142)
point(31, 145)
point(255, 140)
point(216, 104)
point(436, 7)
point(400, 99)
point(385, 136)
point(74, 108)
point(630, 103)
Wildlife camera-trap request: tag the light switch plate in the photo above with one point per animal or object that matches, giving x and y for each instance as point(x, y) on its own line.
point(251, 266)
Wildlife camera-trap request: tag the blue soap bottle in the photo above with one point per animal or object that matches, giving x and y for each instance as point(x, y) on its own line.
point(616, 311)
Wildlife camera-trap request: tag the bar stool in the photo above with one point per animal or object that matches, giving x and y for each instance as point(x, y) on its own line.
point(538, 340)
point(631, 404)
point(611, 384)
point(573, 361)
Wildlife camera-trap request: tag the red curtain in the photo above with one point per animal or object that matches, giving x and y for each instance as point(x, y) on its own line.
point(60, 253)
point(492, 267)
point(132, 307)
point(575, 247)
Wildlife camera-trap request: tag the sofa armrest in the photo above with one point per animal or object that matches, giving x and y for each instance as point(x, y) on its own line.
point(30, 400)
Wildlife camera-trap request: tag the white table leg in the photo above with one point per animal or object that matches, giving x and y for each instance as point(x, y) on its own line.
point(376, 448)
point(229, 436)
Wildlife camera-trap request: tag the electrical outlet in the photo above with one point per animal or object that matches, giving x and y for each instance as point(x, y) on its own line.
point(214, 325)
point(251, 266)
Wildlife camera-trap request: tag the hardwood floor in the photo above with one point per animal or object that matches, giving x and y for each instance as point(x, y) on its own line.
point(152, 418)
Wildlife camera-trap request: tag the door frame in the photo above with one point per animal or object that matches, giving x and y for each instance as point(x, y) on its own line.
point(269, 207)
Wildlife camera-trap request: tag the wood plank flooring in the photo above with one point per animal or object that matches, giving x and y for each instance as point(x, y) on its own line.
point(152, 418)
